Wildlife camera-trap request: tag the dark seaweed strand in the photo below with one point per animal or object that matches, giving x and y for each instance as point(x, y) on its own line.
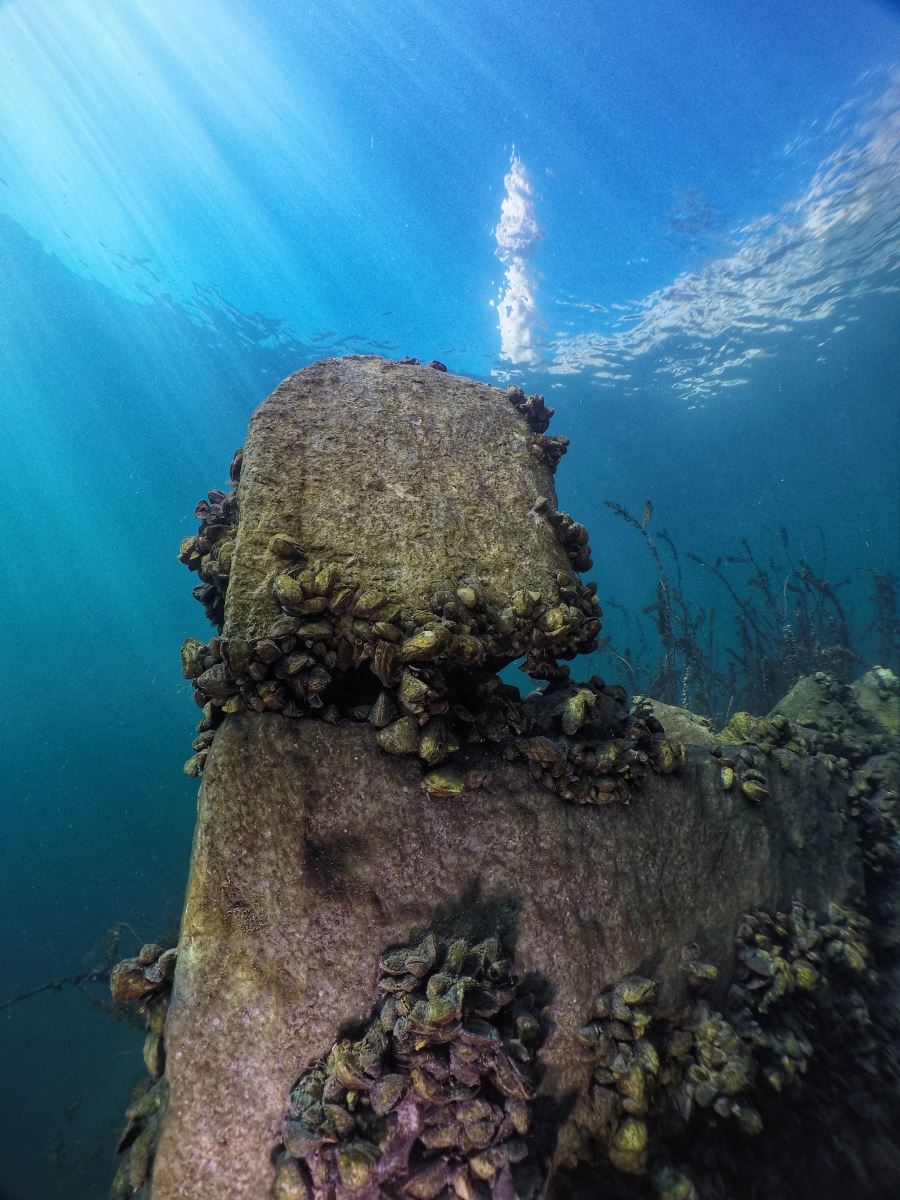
point(665, 619)
point(885, 623)
point(782, 630)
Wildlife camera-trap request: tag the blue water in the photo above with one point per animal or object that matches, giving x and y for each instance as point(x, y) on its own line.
point(679, 222)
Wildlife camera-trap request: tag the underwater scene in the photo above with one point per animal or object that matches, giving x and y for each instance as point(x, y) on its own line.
point(549, 840)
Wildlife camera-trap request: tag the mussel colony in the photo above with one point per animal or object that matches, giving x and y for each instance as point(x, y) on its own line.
point(148, 980)
point(661, 1081)
point(434, 1097)
point(426, 680)
point(807, 1038)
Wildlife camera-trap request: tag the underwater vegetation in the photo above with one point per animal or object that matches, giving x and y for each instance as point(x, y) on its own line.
point(97, 966)
point(782, 618)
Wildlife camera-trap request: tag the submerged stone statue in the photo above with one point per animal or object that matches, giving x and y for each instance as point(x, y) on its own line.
point(443, 941)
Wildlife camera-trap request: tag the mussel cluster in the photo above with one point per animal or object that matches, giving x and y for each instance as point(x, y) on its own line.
point(835, 726)
point(748, 742)
point(581, 741)
point(765, 733)
point(548, 449)
point(433, 1099)
point(461, 627)
point(654, 1077)
point(830, 723)
point(431, 681)
point(210, 550)
point(839, 734)
point(782, 958)
point(574, 539)
point(875, 804)
point(434, 364)
point(536, 413)
point(148, 979)
point(626, 1071)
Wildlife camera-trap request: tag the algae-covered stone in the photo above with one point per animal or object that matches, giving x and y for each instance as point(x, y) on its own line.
point(314, 829)
point(681, 723)
point(417, 475)
point(314, 850)
point(743, 727)
point(878, 695)
point(809, 702)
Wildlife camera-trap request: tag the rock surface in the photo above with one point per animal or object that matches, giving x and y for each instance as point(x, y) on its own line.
point(681, 723)
point(401, 475)
point(314, 853)
point(878, 695)
point(368, 486)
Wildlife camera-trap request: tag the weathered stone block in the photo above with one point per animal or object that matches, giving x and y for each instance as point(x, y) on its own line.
point(403, 476)
point(314, 852)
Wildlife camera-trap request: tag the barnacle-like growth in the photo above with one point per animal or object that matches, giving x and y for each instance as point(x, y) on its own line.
point(433, 1099)
point(659, 1079)
point(210, 551)
point(147, 979)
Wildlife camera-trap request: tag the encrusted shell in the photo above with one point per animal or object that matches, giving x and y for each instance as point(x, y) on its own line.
point(383, 711)
point(672, 756)
point(193, 653)
point(575, 710)
point(754, 790)
point(434, 743)
point(284, 546)
point(444, 783)
point(400, 737)
point(421, 647)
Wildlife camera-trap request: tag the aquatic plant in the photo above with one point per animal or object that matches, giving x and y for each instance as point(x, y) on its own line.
point(147, 979)
point(97, 966)
point(785, 618)
point(885, 623)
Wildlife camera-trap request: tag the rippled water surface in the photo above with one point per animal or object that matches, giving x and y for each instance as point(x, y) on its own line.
point(680, 223)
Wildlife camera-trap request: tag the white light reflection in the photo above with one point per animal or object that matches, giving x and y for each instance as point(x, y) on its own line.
point(836, 243)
